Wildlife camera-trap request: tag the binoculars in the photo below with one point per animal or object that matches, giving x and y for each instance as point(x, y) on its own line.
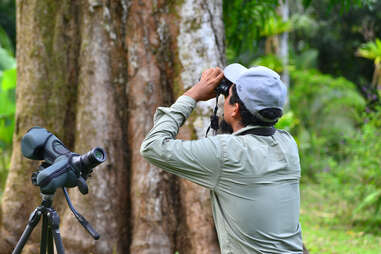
point(223, 87)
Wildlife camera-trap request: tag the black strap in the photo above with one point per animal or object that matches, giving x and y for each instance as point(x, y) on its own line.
point(214, 120)
point(265, 131)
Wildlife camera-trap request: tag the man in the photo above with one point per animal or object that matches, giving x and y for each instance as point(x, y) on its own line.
point(253, 173)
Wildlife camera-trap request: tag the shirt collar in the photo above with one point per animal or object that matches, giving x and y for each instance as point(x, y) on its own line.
point(249, 127)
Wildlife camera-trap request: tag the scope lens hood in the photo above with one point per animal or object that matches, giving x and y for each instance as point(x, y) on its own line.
point(33, 142)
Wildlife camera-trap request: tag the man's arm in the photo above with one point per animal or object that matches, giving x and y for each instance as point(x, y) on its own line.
point(198, 161)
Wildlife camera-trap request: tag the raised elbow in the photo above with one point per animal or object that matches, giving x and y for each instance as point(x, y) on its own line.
point(144, 150)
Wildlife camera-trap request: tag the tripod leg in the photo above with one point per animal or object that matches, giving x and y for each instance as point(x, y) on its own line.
point(34, 218)
point(54, 222)
point(44, 234)
point(50, 241)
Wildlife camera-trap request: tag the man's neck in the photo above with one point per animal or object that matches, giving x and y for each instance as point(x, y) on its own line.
point(236, 126)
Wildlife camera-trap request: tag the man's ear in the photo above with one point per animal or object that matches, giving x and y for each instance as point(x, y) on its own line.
point(235, 113)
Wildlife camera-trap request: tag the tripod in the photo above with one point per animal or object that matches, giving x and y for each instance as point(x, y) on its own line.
point(50, 226)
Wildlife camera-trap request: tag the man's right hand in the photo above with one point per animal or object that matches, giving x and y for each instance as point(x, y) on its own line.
point(205, 89)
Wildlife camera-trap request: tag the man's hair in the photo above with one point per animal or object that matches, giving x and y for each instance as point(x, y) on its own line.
point(249, 119)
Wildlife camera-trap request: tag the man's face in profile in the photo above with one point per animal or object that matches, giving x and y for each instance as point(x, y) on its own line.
point(225, 123)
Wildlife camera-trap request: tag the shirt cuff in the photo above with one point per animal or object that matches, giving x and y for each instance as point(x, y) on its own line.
point(185, 104)
point(187, 99)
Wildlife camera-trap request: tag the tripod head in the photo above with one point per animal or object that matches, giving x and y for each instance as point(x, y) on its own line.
point(61, 167)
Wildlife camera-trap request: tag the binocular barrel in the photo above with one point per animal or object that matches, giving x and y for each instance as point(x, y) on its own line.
point(223, 87)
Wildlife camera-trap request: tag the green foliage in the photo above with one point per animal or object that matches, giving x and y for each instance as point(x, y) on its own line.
point(356, 179)
point(6, 60)
point(364, 168)
point(270, 61)
point(8, 23)
point(329, 111)
point(275, 25)
point(7, 107)
point(371, 50)
point(5, 42)
point(337, 35)
point(287, 122)
point(244, 20)
point(8, 77)
point(347, 4)
point(306, 59)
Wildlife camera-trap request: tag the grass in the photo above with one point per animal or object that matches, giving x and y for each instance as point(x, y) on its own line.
point(328, 228)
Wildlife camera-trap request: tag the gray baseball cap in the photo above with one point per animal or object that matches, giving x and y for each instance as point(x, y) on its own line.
point(258, 88)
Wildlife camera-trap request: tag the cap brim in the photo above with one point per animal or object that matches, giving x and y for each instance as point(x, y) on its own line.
point(233, 71)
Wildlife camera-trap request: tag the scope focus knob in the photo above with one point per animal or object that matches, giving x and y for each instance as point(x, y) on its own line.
point(34, 178)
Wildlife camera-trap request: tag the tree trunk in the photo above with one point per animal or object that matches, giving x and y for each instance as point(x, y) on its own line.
point(170, 48)
point(93, 73)
point(200, 19)
point(283, 49)
point(47, 48)
point(101, 118)
point(154, 194)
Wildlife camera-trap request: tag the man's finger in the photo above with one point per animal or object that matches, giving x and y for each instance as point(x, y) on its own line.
point(218, 78)
point(218, 71)
point(207, 72)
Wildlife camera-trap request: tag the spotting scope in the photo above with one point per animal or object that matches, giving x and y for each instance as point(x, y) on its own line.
point(60, 167)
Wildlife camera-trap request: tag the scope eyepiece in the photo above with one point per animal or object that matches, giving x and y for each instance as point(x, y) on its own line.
point(86, 162)
point(93, 158)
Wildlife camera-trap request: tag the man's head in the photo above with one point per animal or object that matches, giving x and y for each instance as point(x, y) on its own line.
point(256, 97)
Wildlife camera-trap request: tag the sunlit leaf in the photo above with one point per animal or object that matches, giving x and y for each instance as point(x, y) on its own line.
point(371, 50)
point(6, 60)
point(9, 79)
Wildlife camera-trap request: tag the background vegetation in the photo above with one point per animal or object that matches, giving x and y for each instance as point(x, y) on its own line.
point(7, 85)
point(334, 111)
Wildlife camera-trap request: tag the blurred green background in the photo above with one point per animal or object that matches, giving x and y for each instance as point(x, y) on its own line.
point(333, 63)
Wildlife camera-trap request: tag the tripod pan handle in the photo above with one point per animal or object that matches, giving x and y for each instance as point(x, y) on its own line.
point(90, 229)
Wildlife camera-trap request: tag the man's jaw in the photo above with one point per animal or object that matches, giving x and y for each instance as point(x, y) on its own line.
point(225, 127)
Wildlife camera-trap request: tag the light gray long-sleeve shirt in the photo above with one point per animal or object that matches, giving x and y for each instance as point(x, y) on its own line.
point(254, 180)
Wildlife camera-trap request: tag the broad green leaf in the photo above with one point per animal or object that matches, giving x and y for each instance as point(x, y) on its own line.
point(5, 42)
point(7, 105)
point(371, 50)
point(9, 79)
point(7, 114)
point(6, 61)
point(6, 131)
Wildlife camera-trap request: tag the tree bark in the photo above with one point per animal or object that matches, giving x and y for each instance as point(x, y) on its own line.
point(283, 48)
point(197, 52)
point(45, 96)
point(100, 121)
point(93, 73)
point(153, 193)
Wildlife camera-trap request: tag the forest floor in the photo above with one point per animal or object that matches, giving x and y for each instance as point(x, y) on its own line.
point(326, 229)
